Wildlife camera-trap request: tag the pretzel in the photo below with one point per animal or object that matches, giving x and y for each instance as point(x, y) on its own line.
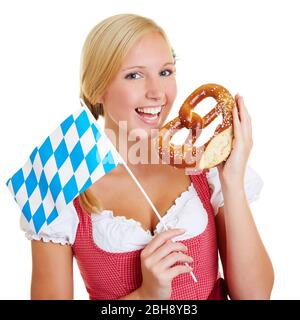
point(216, 149)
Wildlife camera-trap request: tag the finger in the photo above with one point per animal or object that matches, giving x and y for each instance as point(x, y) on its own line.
point(244, 114)
point(245, 118)
point(237, 96)
point(175, 271)
point(165, 249)
point(236, 123)
point(160, 239)
point(249, 120)
point(174, 257)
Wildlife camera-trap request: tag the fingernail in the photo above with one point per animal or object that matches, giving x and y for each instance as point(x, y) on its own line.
point(182, 230)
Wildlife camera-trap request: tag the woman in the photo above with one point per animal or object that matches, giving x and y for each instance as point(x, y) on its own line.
point(128, 77)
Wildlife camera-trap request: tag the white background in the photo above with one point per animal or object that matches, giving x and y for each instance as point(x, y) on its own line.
point(250, 47)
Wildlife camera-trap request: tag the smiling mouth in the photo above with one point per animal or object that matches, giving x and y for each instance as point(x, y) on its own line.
point(149, 113)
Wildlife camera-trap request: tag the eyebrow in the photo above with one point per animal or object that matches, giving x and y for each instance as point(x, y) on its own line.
point(143, 67)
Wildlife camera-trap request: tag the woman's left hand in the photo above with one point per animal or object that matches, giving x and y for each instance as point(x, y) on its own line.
point(232, 170)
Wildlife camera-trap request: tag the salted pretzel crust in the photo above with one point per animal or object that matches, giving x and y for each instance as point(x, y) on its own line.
point(217, 148)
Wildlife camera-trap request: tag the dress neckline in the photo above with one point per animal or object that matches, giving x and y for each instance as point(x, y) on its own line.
point(168, 213)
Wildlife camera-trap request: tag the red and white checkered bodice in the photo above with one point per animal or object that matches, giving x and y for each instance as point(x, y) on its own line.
point(111, 275)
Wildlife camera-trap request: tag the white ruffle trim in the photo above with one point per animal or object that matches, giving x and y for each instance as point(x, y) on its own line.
point(253, 185)
point(44, 238)
point(121, 234)
point(173, 210)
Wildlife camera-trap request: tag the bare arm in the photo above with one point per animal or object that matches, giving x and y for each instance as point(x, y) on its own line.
point(52, 271)
point(247, 268)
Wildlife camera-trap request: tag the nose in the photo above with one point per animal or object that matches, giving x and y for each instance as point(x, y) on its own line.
point(154, 90)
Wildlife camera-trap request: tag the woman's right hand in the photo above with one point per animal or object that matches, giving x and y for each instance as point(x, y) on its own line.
point(156, 260)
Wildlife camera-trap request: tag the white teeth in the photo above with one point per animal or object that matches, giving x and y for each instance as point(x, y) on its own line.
point(155, 110)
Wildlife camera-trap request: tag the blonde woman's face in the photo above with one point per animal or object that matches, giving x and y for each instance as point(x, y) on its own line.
point(144, 89)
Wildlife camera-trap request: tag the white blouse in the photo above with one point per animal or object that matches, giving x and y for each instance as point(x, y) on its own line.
point(120, 234)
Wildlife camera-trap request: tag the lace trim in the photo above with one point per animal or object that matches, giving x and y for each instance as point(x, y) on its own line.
point(124, 219)
point(44, 238)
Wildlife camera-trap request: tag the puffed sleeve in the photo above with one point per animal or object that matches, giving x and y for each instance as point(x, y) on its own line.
point(61, 230)
point(253, 184)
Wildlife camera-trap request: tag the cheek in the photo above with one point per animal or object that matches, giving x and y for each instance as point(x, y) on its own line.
point(120, 102)
point(171, 92)
point(174, 90)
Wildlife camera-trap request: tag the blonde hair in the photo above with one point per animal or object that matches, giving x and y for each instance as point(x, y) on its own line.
point(103, 52)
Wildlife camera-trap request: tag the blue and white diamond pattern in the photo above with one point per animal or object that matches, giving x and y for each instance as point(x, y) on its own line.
point(69, 161)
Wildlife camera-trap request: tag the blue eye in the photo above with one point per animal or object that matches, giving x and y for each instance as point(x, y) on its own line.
point(132, 76)
point(166, 73)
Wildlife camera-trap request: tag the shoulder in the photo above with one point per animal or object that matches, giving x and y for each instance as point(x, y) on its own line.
point(60, 230)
